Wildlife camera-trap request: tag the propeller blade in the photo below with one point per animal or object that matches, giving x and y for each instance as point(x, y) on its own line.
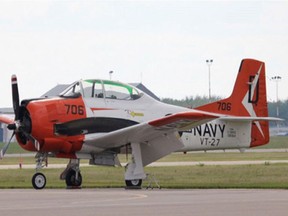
point(15, 96)
point(4, 149)
point(17, 126)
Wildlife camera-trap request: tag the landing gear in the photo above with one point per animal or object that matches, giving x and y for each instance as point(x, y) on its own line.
point(38, 181)
point(72, 175)
point(72, 180)
point(134, 169)
point(133, 183)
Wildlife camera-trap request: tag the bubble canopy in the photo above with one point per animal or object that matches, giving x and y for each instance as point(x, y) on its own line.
point(96, 88)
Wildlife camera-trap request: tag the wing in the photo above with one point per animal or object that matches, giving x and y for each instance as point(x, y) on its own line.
point(157, 138)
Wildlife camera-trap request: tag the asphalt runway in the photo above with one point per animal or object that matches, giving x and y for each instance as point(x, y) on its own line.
point(143, 202)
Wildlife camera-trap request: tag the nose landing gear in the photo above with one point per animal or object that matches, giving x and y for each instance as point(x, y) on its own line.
point(39, 179)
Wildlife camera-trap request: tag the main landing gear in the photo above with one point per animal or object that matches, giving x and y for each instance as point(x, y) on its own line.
point(133, 183)
point(134, 169)
point(71, 174)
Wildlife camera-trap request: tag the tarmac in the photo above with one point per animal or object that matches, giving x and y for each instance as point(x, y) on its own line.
point(236, 202)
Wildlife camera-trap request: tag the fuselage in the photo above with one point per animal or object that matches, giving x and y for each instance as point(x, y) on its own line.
point(102, 106)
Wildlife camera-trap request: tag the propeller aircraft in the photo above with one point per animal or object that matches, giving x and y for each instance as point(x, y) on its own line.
point(93, 119)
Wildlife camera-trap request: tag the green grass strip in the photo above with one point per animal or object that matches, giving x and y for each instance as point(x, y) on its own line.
point(244, 176)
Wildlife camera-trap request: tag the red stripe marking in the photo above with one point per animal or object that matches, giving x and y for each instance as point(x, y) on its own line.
point(181, 116)
point(97, 109)
point(14, 79)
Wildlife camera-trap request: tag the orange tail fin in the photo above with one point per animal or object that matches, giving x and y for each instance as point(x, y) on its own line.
point(247, 99)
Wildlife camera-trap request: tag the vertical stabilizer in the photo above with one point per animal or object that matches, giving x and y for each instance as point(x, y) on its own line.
point(247, 99)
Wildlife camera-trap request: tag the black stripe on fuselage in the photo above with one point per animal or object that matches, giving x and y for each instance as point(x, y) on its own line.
point(92, 125)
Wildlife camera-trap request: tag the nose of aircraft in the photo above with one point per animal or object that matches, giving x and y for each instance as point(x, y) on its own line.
point(21, 126)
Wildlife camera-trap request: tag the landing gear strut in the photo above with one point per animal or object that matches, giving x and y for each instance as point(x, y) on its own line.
point(134, 169)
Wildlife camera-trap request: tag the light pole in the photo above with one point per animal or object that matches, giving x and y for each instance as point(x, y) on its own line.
point(110, 74)
point(209, 63)
point(277, 80)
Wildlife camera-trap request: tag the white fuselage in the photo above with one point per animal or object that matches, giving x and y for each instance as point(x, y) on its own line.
point(125, 103)
point(217, 134)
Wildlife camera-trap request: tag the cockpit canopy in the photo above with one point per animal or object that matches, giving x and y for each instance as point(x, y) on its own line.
point(106, 89)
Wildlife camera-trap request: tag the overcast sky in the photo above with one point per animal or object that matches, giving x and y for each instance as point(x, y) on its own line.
point(164, 44)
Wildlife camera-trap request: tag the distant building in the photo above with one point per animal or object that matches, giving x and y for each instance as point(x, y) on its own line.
point(6, 110)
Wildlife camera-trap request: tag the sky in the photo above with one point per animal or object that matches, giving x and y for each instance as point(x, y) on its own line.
point(163, 44)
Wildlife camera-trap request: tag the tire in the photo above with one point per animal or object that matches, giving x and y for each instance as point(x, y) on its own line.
point(133, 183)
point(38, 181)
point(71, 179)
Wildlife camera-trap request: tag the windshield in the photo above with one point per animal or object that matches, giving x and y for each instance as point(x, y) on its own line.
point(73, 91)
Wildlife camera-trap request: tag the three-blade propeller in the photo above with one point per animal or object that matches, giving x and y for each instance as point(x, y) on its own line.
point(17, 126)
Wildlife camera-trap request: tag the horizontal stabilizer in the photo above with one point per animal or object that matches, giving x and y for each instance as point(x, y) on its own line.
point(244, 118)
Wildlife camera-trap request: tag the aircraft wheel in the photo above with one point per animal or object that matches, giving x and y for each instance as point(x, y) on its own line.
point(71, 180)
point(38, 181)
point(133, 183)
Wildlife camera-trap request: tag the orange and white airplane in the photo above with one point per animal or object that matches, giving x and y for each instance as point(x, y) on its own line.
point(93, 119)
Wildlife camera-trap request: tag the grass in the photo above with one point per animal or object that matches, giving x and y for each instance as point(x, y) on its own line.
point(31, 160)
point(194, 157)
point(14, 148)
point(276, 142)
point(248, 176)
point(225, 156)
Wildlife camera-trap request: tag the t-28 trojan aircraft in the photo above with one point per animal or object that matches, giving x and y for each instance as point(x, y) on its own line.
point(92, 119)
